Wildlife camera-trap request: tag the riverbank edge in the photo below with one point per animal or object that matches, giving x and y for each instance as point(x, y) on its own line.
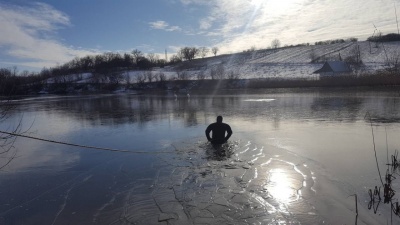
point(190, 86)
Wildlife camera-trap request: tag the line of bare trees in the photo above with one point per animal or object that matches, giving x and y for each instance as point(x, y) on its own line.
point(12, 82)
point(190, 53)
point(106, 67)
point(104, 63)
point(147, 76)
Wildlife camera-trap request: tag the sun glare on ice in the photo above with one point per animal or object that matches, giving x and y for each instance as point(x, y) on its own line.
point(281, 187)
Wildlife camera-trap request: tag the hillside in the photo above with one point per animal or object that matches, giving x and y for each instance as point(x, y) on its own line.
point(288, 62)
point(282, 63)
point(291, 64)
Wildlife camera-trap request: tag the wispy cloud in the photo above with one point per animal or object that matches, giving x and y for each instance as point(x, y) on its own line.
point(206, 23)
point(162, 25)
point(29, 35)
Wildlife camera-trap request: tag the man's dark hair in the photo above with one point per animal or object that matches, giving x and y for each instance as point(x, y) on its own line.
point(219, 119)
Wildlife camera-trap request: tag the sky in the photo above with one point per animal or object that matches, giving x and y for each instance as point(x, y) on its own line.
point(38, 34)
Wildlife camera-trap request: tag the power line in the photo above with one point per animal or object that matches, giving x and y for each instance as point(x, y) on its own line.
point(83, 146)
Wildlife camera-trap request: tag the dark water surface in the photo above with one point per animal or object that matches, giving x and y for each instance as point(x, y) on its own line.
point(295, 157)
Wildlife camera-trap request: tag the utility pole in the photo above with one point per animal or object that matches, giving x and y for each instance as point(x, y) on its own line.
point(395, 11)
point(166, 56)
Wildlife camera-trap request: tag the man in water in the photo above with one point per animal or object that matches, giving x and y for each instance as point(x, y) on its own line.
point(218, 132)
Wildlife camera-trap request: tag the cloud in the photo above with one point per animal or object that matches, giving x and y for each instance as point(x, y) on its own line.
point(206, 24)
point(240, 24)
point(188, 2)
point(162, 25)
point(29, 35)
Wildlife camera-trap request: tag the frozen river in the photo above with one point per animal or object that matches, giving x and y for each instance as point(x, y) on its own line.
point(295, 157)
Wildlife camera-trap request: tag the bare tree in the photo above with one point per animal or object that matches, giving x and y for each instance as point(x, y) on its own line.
point(392, 61)
point(157, 60)
point(175, 59)
point(185, 53)
point(14, 70)
point(233, 75)
point(213, 73)
point(24, 73)
point(137, 55)
point(140, 79)
point(353, 39)
point(182, 75)
point(215, 50)
point(275, 43)
point(127, 79)
point(179, 55)
point(7, 150)
point(161, 62)
point(201, 75)
point(127, 60)
point(153, 58)
point(150, 77)
point(218, 72)
point(354, 58)
point(204, 51)
point(189, 53)
point(161, 77)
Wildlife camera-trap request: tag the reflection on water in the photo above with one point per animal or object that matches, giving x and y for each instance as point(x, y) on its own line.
point(122, 109)
point(280, 186)
point(294, 157)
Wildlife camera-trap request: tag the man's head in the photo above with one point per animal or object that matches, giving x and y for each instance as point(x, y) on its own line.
point(219, 119)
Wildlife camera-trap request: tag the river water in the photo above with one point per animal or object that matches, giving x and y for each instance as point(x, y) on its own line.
point(296, 156)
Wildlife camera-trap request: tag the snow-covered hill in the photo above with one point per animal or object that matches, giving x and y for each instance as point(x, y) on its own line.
point(290, 62)
point(284, 63)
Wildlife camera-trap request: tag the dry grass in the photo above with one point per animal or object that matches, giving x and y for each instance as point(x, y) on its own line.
point(381, 79)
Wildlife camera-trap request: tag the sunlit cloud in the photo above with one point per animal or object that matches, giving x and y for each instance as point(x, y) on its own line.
point(162, 25)
point(29, 34)
point(244, 23)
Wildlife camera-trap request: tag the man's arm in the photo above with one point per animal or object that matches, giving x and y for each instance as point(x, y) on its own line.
point(229, 131)
point(208, 130)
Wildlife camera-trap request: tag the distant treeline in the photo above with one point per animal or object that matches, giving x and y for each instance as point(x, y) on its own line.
point(335, 41)
point(11, 83)
point(384, 38)
point(110, 62)
point(104, 63)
